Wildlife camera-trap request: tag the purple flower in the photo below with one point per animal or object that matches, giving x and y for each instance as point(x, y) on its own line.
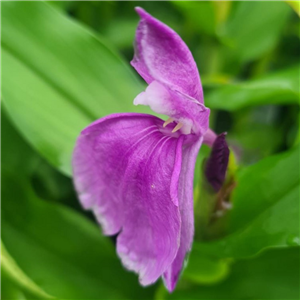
point(135, 171)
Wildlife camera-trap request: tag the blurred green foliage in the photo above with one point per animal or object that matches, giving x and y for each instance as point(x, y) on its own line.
point(50, 241)
point(272, 275)
point(66, 64)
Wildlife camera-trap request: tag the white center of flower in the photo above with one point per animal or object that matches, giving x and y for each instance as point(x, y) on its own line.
point(167, 102)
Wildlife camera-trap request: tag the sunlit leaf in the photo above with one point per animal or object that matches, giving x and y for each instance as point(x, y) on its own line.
point(64, 78)
point(222, 10)
point(10, 291)
point(12, 270)
point(295, 6)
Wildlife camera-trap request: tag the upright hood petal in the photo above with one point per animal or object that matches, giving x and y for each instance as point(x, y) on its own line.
point(160, 54)
point(126, 170)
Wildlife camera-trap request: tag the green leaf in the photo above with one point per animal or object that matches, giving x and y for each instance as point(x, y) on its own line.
point(10, 291)
point(278, 88)
point(58, 77)
point(263, 185)
point(15, 152)
point(61, 5)
point(273, 275)
point(295, 6)
point(62, 252)
point(248, 35)
point(12, 270)
point(265, 209)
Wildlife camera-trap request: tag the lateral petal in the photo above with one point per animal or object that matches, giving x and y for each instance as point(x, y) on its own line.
point(126, 170)
point(160, 54)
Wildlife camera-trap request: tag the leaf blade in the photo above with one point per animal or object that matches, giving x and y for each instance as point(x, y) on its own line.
point(279, 88)
point(265, 209)
point(53, 245)
point(12, 270)
point(63, 79)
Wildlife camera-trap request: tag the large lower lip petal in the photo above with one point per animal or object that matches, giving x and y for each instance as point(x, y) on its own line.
point(127, 171)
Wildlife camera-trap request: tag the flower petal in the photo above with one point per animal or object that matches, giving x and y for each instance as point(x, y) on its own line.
point(126, 170)
point(186, 206)
point(181, 108)
point(160, 54)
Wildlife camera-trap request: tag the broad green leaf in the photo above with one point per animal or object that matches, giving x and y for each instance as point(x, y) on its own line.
point(273, 275)
point(265, 209)
point(12, 270)
point(295, 6)
point(62, 252)
point(278, 88)
point(263, 185)
point(58, 77)
point(61, 5)
point(254, 28)
point(16, 154)
point(10, 291)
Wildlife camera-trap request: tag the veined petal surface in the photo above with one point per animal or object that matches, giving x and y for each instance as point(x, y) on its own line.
point(160, 54)
point(186, 204)
point(126, 170)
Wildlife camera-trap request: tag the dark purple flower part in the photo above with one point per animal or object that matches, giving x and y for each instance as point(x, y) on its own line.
point(216, 165)
point(135, 171)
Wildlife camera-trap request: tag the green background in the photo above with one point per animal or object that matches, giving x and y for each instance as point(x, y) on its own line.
point(66, 64)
